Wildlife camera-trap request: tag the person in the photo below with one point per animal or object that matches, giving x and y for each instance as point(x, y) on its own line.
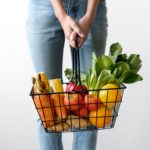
point(49, 23)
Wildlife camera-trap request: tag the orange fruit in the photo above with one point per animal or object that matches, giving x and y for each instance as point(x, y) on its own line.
point(101, 117)
point(111, 95)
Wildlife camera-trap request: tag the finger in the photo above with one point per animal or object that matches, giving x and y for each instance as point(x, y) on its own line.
point(68, 36)
point(68, 33)
point(72, 43)
point(78, 30)
point(73, 36)
point(81, 41)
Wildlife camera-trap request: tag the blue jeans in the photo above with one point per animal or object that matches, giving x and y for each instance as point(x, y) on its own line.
point(46, 42)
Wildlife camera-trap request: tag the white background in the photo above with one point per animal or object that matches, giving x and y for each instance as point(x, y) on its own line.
point(129, 24)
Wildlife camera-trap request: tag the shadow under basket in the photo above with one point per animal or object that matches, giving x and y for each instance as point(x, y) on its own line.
point(72, 117)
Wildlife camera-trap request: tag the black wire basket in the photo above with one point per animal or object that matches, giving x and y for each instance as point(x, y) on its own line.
point(94, 115)
point(76, 121)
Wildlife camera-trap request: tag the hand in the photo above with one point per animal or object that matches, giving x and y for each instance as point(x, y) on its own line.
point(85, 24)
point(69, 26)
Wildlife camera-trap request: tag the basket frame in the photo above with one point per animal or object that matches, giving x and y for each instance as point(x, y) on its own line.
point(88, 128)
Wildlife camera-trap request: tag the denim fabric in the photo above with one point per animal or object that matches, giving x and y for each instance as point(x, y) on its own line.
point(46, 42)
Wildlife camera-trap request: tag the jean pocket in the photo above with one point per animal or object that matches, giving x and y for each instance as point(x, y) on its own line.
point(40, 19)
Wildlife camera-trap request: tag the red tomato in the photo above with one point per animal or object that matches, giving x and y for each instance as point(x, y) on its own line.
point(92, 102)
point(83, 112)
point(73, 101)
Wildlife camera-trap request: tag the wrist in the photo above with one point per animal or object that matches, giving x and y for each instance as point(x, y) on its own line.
point(90, 17)
point(61, 14)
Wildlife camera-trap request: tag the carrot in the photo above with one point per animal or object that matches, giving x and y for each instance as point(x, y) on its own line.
point(58, 99)
point(44, 107)
point(58, 104)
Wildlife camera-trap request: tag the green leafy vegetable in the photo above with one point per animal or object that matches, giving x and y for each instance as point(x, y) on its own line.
point(115, 68)
point(93, 80)
point(69, 73)
point(104, 78)
point(130, 77)
point(95, 66)
point(121, 57)
point(115, 49)
point(104, 62)
point(135, 62)
point(119, 68)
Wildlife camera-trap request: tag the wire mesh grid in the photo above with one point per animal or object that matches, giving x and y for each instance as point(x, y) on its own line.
point(103, 116)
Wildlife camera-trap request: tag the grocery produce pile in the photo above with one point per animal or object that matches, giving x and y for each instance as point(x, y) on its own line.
point(90, 103)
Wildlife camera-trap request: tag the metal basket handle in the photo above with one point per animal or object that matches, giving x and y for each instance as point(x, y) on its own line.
point(76, 63)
